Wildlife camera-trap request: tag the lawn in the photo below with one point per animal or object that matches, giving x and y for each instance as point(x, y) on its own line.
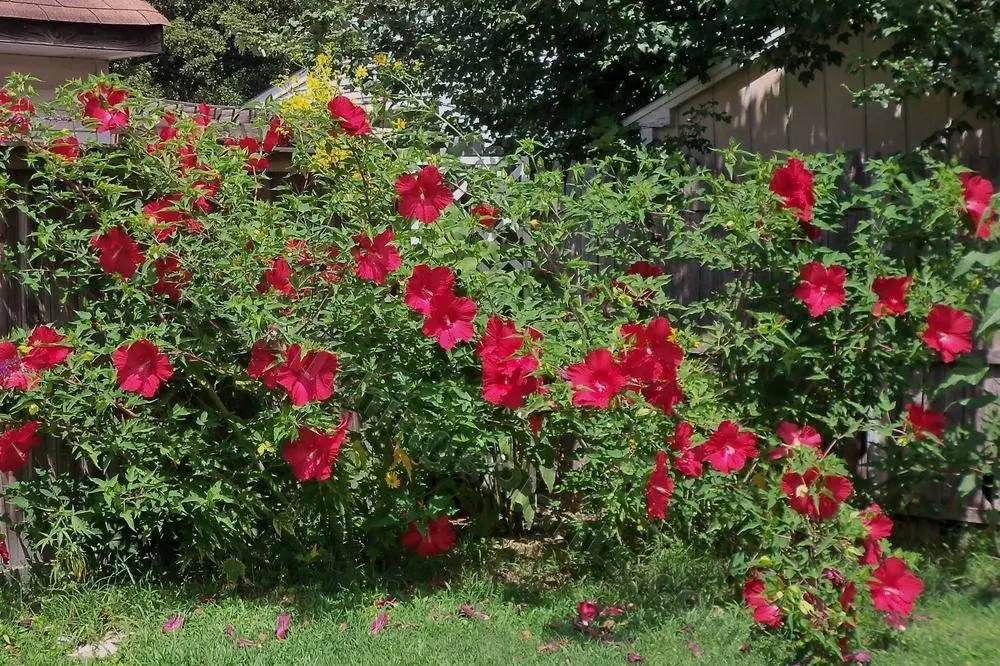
point(517, 609)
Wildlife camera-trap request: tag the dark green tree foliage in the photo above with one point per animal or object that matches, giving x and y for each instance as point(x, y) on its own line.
point(567, 72)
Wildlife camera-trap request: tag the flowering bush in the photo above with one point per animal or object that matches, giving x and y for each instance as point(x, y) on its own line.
point(257, 370)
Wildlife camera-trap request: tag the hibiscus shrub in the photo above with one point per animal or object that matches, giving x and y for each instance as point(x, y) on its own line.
point(256, 370)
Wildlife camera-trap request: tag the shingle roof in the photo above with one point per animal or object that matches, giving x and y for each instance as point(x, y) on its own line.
point(102, 12)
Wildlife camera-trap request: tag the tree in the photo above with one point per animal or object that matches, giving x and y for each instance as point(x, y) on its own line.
point(568, 72)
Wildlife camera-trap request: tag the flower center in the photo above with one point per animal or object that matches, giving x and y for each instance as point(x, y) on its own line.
point(802, 491)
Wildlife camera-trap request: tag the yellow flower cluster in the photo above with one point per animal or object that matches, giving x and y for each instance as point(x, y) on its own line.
point(317, 88)
point(327, 154)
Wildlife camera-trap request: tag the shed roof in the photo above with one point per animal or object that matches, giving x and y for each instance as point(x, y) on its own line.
point(100, 12)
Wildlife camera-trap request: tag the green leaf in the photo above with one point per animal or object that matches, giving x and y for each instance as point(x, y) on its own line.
point(968, 485)
point(966, 263)
point(548, 475)
point(968, 372)
point(991, 314)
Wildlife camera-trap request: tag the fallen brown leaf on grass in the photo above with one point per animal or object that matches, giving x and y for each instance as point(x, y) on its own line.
point(553, 647)
point(694, 647)
point(634, 658)
point(470, 611)
point(379, 623)
point(526, 635)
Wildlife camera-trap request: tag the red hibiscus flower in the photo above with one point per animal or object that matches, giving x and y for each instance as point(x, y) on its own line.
point(659, 488)
point(663, 394)
point(424, 196)
point(203, 117)
point(792, 436)
point(436, 538)
point(644, 269)
point(424, 284)
point(375, 258)
point(596, 380)
point(653, 356)
point(66, 147)
point(485, 215)
point(894, 588)
point(763, 612)
point(141, 368)
point(256, 155)
point(15, 114)
point(924, 422)
point(815, 495)
point(352, 118)
point(688, 462)
point(878, 525)
point(16, 444)
point(873, 552)
point(278, 277)
point(891, 294)
point(118, 253)
point(4, 553)
point(978, 193)
point(263, 364)
point(14, 374)
point(312, 455)
point(167, 131)
point(449, 319)
point(768, 615)
point(102, 106)
point(793, 183)
point(510, 382)
point(167, 216)
point(821, 288)
point(45, 349)
point(306, 378)
point(169, 277)
point(500, 340)
point(948, 331)
point(729, 448)
point(587, 611)
point(535, 422)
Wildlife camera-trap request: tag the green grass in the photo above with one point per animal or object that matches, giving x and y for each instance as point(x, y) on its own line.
point(528, 601)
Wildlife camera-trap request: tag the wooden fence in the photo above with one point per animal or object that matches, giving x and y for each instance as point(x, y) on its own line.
point(690, 282)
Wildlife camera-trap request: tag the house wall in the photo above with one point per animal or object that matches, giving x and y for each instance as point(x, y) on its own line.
point(772, 111)
point(52, 72)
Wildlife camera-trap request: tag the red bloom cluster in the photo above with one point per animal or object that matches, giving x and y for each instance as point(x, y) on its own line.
point(644, 269)
point(924, 422)
point(16, 444)
point(424, 196)
point(257, 151)
point(167, 217)
point(170, 279)
point(793, 436)
point(375, 258)
point(312, 455)
point(508, 377)
point(764, 612)
point(978, 195)
point(44, 352)
point(793, 183)
point(118, 253)
point(447, 316)
point(434, 538)
point(659, 488)
point(485, 214)
point(878, 526)
point(351, 118)
point(821, 288)
point(891, 295)
point(688, 460)
point(141, 367)
point(104, 105)
point(948, 332)
point(15, 113)
point(814, 494)
point(279, 278)
point(651, 362)
point(304, 378)
point(66, 147)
